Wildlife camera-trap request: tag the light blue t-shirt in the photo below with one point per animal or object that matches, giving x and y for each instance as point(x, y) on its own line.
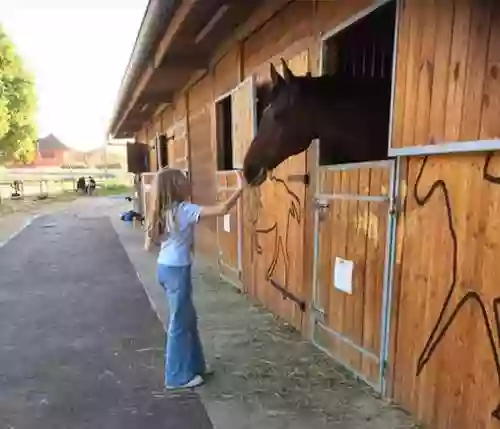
point(175, 249)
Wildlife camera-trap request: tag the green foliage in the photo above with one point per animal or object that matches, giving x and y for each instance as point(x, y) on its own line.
point(18, 132)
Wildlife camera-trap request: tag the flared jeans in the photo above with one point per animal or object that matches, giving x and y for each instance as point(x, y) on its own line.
point(184, 357)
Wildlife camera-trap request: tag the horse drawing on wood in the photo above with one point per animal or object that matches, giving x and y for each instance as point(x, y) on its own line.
point(271, 225)
point(456, 299)
point(299, 109)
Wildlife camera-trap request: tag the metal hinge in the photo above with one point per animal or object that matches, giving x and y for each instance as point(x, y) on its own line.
point(384, 368)
point(302, 178)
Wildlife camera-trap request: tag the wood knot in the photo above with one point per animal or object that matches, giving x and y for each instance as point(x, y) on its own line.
point(456, 71)
point(494, 72)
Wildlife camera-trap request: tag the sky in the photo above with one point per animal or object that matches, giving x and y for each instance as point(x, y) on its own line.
point(78, 51)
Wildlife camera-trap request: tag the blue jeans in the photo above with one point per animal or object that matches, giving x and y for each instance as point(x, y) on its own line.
point(183, 350)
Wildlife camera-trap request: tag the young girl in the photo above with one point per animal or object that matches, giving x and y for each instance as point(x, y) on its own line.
point(171, 221)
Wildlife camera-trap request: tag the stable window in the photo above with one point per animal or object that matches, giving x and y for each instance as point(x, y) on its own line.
point(224, 122)
point(361, 55)
point(162, 148)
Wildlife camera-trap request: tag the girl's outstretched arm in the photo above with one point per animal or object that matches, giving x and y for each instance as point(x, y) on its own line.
point(223, 208)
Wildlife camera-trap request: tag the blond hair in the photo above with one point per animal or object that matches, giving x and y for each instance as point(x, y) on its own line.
point(166, 194)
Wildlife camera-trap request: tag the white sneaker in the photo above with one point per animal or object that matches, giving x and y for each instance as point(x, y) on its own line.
point(196, 381)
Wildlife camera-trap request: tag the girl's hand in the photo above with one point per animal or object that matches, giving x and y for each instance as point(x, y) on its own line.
point(241, 179)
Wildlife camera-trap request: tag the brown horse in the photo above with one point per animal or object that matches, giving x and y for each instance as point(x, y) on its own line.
point(349, 116)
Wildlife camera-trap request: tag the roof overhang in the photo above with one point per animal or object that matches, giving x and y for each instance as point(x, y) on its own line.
point(176, 40)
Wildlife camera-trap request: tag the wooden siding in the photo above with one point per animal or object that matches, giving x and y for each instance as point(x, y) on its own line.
point(447, 81)
point(202, 171)
point(229, 230)
point(243, 120)
point(446, 276)
point(227, 72)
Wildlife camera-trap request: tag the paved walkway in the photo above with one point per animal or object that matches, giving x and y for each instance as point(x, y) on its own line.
point(80, 346)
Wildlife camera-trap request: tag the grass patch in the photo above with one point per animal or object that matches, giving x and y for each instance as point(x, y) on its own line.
point(33, 204)
point(114, 189)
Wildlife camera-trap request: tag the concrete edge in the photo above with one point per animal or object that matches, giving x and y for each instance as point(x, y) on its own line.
point(23, 227)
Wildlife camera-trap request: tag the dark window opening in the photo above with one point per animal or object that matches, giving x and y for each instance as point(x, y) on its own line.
point(224, 134)
point(362, 55)
point(163, 151)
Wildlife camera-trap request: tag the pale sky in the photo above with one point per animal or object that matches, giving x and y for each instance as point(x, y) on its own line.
point(78, 51)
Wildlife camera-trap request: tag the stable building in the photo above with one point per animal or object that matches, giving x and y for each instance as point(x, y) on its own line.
point(388, 265)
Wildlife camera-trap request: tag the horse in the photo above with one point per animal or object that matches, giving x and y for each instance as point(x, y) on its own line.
point(349, 116)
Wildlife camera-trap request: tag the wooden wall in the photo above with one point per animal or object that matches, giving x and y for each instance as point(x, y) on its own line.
point(448, 72)
point(202, 160)
point(446, 276)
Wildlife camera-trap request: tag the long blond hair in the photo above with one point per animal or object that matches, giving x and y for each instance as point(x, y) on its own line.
point(167, 192)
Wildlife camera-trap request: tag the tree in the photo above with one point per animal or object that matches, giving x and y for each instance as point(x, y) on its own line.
point(18, 132)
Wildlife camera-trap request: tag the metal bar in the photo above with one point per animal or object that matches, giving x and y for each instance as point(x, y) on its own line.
point(354, 18)
point(288, 295)
point(234, 270)
point(232, 282)
point(227, 172)
point(375, 386)
point(447, 148)
point(389, 262)
point(356, 165)
point(352, 197)
point(223, 96)
point(316, 304)
point(222, 189)
point(346, 340)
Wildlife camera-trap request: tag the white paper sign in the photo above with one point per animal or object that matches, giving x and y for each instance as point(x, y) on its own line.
point(227, 223)
point(342, 275)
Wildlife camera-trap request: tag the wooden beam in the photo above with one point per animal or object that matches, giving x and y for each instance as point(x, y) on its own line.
point(262, 15)
point(175, 24)
point(156, 97)
point(179, 17)
point(192, 61)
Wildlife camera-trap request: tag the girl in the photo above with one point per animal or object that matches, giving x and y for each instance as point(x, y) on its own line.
point(171, 221)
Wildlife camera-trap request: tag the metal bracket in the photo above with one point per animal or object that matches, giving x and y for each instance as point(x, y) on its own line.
point(302, 178)
point(288, 295)
point(322, 207)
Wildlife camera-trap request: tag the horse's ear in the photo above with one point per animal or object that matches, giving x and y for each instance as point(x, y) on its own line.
point(276, 78)
point(287, 73)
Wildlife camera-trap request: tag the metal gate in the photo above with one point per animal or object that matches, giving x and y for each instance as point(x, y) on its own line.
point(354, 233)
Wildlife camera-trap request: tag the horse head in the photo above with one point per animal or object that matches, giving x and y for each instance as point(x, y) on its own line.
point(286, 127)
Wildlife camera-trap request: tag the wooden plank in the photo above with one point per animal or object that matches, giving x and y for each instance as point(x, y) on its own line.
point(371, 314)
point(399, 80)
point(442, 53)
point(359, 251)
point(476, 69)
point(351, 354)
point(426, 72)
point(412, 71)
point(457, 69)
point(490, 125)
point(243, 120)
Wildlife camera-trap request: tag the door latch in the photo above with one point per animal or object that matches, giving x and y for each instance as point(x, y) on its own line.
point(322, 206)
